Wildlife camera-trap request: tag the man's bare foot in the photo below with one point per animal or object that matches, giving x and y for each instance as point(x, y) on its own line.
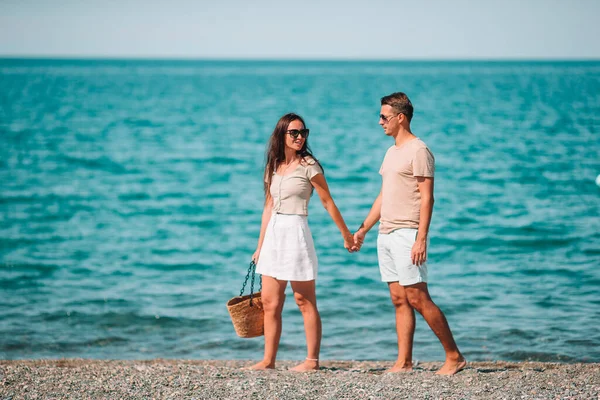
point(307, 365)
point(261, 366)
point(401, 366)
point(451, 367)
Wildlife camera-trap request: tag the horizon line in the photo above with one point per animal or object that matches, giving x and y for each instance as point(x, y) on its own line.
point(5, 57)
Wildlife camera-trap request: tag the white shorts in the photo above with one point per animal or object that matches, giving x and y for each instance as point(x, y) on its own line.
point(288, 251)
point(395, 263)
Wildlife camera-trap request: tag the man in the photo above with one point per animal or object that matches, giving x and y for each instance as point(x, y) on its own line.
point(404, 207)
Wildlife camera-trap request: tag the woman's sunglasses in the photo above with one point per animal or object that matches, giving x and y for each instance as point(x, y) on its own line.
point(295, 132)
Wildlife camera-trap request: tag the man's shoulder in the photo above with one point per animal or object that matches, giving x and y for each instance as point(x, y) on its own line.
point(390, 150)
point(418, 143)
point(411, 147)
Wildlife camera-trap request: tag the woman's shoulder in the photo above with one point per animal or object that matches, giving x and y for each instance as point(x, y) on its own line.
point(311, 166)
point(308, 161)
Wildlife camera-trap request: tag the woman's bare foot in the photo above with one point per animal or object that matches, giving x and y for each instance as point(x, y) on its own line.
point(451, 367)
point(401, 366)
point(307, 365)
point(261, 366)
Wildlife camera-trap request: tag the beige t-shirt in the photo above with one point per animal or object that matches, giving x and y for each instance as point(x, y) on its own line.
point(401, 199)
point(292, 191)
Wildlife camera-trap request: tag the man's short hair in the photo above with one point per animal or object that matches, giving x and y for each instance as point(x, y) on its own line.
point(400, 103)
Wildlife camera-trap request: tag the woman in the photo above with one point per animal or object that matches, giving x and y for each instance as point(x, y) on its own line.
point(285, 250)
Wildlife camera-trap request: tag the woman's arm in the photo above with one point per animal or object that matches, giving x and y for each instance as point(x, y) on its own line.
point(320, 185)
point(266, 217)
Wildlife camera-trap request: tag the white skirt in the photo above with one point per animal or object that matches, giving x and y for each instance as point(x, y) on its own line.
point(288, 251)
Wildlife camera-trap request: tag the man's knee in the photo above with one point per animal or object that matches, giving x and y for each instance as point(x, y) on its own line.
point(418, 297)
point(418, 300)
point(399, 300)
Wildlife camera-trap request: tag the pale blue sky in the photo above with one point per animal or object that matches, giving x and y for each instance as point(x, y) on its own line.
point(325, 29)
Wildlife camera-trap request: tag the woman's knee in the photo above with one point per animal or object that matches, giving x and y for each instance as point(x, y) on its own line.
point(272, 304)
point(303, 303)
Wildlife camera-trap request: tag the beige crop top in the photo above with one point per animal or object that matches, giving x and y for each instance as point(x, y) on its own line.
point(291, 192)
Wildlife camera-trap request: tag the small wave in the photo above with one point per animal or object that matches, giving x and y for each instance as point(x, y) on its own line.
point(44, 269)
point(591, 252)
point(359, 281)
point(21, 282)
point(147, 211)
point(37, 198)
point(101, 163)
point(207, 224)
point(521, 355)
point(463, 220)
point(333, 180)
point(519, 333)
point(499, 242)
point(110, 302)
point(549, 302)
point(61, 346)
point(559, 273)
point(172, 195)
point(112, 319)
point(141, 123)
point(177, 267)
point(217, 195)
point(25, 276)
point(537, 243)
point(220, 161)
point(134, 196)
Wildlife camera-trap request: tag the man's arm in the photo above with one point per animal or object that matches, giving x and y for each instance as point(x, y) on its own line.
point(372, 218)
point(419, 250)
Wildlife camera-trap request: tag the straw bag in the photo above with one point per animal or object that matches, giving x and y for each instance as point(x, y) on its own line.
point(247, 311)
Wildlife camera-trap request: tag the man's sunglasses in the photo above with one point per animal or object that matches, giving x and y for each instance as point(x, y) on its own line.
point(295, 132)
point(387, 119)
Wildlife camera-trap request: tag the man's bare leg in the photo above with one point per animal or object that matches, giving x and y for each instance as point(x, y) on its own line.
point(306, 299)
point(405, 327)
point(273, 295)
point(419, 299)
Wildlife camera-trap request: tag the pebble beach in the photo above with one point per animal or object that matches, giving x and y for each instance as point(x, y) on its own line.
point(160, 379)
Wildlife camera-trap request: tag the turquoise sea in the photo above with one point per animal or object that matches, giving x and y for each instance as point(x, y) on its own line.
point(131, 198)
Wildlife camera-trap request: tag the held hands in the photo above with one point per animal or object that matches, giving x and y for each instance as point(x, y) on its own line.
point(359, 237)
point(353, 243)
point(350, 244)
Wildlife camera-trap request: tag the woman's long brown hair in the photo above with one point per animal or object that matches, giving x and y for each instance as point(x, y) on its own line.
point(276, 148)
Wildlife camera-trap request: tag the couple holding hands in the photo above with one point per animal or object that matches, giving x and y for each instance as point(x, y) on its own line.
point(404, 206)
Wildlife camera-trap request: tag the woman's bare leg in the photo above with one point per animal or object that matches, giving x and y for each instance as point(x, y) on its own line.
point(273, 292)
point(306, 298)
